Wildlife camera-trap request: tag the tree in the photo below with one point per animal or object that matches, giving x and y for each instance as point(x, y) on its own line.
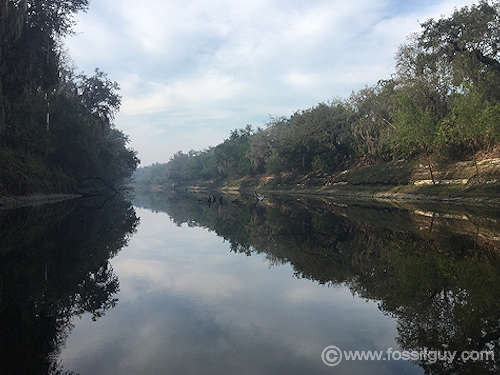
point(99, 95)
point(29, 50)
point(473, 122)
point(373, 107)
point(11, 27)
point(468, 43)
point(56, 128)
point(415, 129)
point(443, 98)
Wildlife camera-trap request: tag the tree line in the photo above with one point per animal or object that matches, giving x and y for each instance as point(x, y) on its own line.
point(56, 126)
point(443, 101)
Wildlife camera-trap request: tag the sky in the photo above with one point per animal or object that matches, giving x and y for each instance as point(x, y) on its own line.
point(191, 71)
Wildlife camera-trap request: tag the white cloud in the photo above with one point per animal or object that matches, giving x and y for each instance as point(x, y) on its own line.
point(301, 79)
point(158, 276)
point(192, 92)
point(187, 66)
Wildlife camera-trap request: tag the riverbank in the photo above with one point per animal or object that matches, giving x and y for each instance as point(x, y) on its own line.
point(401, 194)
point(465, 182)
point(10, 202)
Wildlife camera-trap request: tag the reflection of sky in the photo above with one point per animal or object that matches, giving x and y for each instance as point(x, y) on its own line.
point(188, 306)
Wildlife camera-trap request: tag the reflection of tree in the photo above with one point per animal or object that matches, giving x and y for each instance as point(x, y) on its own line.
point(442, 285)
point(55, 266)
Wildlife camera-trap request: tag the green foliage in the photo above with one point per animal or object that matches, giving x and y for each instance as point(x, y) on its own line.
point(467, 43)
point(151, 175)
point(51, 119)
point(415, 128)
point(274, 163)
point(318, 165)
point(373, 107)
point(443, 99)
point(476, 122)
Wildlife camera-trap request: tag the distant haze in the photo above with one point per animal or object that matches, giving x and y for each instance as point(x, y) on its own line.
point(191, 71)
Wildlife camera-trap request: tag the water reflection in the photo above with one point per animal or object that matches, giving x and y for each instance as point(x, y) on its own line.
point(188, 306)
point(55, 265)
point(437, 272)
point(197, 295)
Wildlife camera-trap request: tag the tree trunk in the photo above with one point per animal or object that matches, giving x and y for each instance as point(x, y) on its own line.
point(47, 117)
point(475, 165)
point(3, 124)
point(432, 222)
point(477, 168)
point(4, 7)
point(475, 160)
point(430, 168)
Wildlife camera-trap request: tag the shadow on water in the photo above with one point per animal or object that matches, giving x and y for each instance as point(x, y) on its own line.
point(55, 266)
point(436, 270)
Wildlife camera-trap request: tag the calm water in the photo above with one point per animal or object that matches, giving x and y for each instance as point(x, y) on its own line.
point(174, 285)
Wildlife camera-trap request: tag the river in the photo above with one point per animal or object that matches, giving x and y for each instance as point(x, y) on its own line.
point(173, 284)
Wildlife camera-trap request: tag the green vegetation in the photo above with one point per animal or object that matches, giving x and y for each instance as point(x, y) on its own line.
point(56, 127)
point(443, 102)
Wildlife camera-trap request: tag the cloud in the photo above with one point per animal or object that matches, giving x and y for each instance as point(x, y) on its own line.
point(301, 79)
point(210, 87)
point(148, 276)
point(203, 67)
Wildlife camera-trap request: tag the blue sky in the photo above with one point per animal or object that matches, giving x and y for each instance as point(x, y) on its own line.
point(190, 71)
